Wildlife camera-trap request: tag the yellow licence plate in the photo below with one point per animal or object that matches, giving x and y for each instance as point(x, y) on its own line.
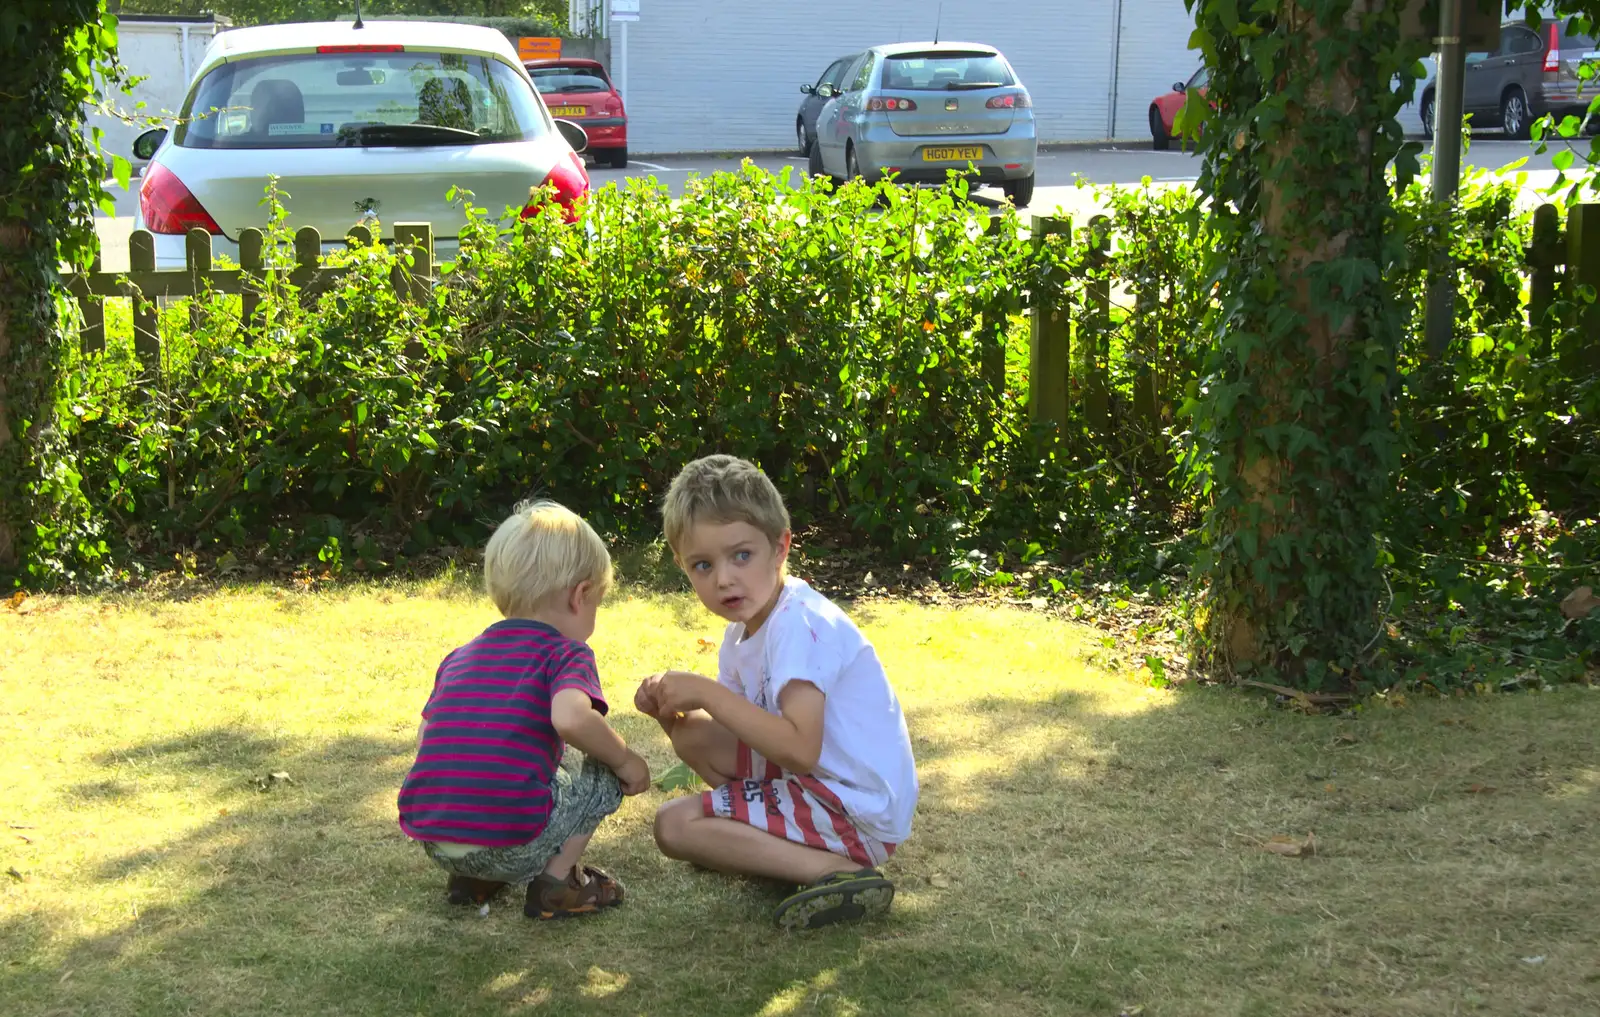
point(569, 111)
point(952, 154)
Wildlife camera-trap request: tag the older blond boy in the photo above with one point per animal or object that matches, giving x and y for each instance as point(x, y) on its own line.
point(800, 735)
point(493, 797)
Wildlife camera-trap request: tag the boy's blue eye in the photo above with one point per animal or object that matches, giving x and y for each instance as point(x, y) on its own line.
point(741, 556)
point(701, 566)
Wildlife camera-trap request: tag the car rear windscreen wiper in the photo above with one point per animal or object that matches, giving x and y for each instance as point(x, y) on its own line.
point(409, 134)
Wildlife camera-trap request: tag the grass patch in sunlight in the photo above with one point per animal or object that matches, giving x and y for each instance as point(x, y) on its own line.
point(1084, 843)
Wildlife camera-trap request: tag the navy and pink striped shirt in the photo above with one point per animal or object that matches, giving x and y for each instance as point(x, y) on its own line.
point(489, 751)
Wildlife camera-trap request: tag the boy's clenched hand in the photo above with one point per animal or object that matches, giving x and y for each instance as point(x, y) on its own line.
point(645, 698)
point(681, 691)
point(634, 775)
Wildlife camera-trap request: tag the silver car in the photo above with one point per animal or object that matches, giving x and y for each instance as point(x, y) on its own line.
point(918, 110)
point(359, 123)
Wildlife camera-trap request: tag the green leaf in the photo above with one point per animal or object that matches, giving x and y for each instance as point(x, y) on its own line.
point(122, 169)
point(678, 778)
point(1562, 160)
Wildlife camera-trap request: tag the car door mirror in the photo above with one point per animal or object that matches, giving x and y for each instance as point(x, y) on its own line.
point(145, 145)
point(808, 89)
point(576, 136)
point(1179, 86)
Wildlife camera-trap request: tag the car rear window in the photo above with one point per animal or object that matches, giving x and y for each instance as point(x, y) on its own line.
point(330, 100)
point(945, 70)
point(569, 79)
point(1570, 41)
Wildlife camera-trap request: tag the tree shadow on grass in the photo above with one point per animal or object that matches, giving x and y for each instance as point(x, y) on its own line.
point(1069, 858)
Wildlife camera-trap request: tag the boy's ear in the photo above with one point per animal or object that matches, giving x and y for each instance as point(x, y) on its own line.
point(785, 539)
point(578, 596)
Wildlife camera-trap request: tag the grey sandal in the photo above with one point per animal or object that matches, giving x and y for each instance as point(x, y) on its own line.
point(842, 897)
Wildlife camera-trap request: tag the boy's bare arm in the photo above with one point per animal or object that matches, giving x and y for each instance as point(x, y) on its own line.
point(579, 724)
point(792, 739)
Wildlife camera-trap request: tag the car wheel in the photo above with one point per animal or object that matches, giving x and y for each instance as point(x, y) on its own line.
point(800, 137)
point(852, 169)
point(1514, 114)
point(1428, 113)
point(1019, 191)
point(617, 158)
point(1160, 140)
point(814, 160)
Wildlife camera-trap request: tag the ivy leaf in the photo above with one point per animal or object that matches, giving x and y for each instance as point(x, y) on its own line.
point(122, 170)
point(1562, 160)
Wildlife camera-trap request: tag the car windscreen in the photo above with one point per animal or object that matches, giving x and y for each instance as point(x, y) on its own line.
point(945, 70)
point(569, 79)
point(330, 100)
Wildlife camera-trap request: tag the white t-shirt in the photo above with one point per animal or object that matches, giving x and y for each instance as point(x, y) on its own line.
point(866, 751)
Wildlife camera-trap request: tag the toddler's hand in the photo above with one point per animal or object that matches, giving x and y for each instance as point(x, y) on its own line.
point(681, 691)
point(634, 774)
point(645, 700)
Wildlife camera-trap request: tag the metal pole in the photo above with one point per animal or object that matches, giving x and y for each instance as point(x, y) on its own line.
point(1441, 309)
point(622, 63)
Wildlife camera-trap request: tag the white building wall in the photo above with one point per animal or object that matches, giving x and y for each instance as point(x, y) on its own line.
point(159, 53)
point(709, 75)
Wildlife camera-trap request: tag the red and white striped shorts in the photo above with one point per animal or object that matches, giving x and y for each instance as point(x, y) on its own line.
point(794, 807)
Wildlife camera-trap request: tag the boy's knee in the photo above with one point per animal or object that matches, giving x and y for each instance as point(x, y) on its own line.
point(671, 824)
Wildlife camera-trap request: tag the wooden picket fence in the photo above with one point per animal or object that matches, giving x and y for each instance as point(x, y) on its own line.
point(1069, 341)
point(309, 274)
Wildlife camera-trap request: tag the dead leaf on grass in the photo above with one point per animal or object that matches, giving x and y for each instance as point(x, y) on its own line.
point(1579, 603)
point(16, 600)
point(1131, 1011)
point(1292, 847)
point(939, 881)
point(1481, 789)
point(14, 874)
point(1345, 738)
point(706, 645)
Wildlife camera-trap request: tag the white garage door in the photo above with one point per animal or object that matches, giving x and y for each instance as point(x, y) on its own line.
point(710, 75)
point(1154, 55)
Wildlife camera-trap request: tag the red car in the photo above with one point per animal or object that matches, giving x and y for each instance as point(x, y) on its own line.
point(579, 90)
point(1166, 107)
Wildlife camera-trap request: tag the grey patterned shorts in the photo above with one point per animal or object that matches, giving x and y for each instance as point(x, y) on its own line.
point(581, 796)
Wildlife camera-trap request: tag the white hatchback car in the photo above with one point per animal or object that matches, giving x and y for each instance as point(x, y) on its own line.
point(378, 121)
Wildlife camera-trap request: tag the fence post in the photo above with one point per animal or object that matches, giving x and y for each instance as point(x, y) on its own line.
point(1093, 332)
point(307, 255)
point(992, 351)
point(92, 339)
point(197, 251)
point(250, 265)
point(1544, 257)
point(1582, 347)
point(146, 319)
point(417, 238)
point(1050, 352)
point(1147, 344)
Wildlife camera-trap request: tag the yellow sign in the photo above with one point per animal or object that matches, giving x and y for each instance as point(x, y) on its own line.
point(533, 47)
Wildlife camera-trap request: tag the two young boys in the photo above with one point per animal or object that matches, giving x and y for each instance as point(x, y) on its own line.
point(799, 734)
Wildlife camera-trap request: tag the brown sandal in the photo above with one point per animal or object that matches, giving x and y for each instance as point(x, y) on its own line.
point(552, 897)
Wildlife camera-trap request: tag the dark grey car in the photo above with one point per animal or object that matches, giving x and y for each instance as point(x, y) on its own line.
point(817, 94)
point(1534, 72)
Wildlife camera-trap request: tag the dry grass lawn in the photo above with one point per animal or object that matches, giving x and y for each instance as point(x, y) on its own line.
point(1085, 844)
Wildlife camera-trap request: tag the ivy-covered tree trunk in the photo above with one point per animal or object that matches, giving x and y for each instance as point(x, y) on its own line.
point(56, 53)
point(1293, 424)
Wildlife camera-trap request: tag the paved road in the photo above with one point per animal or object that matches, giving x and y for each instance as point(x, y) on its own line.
point(1057, 191)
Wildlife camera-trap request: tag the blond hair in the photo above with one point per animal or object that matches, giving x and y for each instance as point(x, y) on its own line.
point(539, 553)
point(720, 490)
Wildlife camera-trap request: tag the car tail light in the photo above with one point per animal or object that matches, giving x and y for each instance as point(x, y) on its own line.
point(363, 48)
point(1552, 56)
point(168, 206)
point(905, 105)
point(569, 180)
point(1009, 102)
